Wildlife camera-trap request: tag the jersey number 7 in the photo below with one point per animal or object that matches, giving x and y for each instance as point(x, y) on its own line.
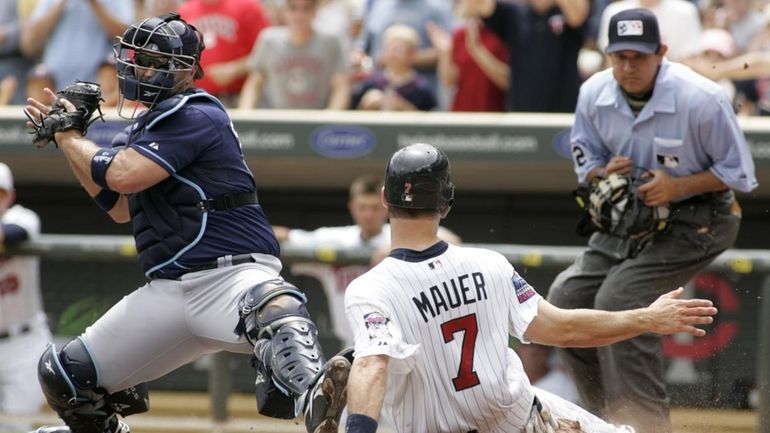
point(466, 376)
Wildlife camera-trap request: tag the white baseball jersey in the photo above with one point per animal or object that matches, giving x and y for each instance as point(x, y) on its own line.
point(20, 299)
point(335, 278)
point(342, 237)
point(444, 316)
point(23, 330)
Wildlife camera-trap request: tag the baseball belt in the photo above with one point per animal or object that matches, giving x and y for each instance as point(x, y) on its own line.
point(225, 261)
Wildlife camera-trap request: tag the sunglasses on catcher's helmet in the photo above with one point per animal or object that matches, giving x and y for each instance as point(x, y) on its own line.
point(145, 60)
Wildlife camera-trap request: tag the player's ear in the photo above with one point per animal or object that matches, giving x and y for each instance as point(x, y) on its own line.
point(382, 198)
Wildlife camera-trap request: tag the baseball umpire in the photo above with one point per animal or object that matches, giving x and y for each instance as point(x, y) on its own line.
point(676, 133)
point(177, 173)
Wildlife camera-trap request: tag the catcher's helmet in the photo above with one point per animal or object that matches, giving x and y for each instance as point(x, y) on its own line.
point(166, 46)
point(418, 177)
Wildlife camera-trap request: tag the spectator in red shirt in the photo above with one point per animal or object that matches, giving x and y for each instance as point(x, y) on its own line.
point(474, 61)
point(230, 28)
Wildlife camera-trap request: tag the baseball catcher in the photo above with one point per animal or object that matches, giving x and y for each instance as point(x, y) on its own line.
point(84, 96)
point(177, 174)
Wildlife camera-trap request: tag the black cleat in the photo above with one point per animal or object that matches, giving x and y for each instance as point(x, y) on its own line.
point(328, 397)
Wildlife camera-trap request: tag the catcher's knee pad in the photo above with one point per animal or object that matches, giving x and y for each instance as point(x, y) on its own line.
point(289, 356)
point(69, 380)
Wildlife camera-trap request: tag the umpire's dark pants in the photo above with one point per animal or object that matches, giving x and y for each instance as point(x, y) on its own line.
point(624, 381)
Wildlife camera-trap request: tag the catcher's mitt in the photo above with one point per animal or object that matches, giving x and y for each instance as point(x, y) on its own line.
point(85, 96)
point(613, 206)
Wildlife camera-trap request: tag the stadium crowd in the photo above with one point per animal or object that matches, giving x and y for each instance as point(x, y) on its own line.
point(461, 55)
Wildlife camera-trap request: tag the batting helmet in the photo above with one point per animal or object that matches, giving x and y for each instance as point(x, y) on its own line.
point(418, 177)
point(165, 45)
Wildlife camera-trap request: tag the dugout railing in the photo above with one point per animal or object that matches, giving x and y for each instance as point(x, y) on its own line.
point(96, 248)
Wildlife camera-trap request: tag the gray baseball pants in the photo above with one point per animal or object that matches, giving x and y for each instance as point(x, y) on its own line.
point(166, 324)
point(624, 381)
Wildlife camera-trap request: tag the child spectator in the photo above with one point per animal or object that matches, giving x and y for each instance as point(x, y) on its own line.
point(398, 86)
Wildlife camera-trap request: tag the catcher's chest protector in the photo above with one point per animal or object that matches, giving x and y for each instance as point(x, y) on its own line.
point(166, 218)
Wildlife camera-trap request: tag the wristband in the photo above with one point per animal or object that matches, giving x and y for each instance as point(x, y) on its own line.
point(13, 234)
point(100, 162)
point(106, 199)
point(360, 423)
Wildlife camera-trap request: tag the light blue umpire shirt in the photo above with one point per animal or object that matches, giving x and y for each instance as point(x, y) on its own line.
point(688, 126)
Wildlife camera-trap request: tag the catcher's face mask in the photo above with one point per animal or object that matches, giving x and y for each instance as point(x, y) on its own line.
point(155, 57)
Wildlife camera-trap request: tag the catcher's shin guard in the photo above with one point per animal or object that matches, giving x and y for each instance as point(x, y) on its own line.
point(288, 355)
point(69, 381)
point(328, 396)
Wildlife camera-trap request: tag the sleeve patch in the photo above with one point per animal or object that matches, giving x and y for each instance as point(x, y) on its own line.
point(523, 290)
point(377, 325)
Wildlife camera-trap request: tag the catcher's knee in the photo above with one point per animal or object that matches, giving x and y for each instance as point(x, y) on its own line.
point(69, 380)
point(289, 356)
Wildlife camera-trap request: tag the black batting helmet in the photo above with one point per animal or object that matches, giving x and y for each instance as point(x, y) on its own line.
point(418, 177)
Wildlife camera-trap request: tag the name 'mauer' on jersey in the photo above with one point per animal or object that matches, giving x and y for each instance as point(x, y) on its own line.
point(444, 316)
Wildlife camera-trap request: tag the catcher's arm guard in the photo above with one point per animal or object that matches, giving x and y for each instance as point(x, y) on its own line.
point(85, 96)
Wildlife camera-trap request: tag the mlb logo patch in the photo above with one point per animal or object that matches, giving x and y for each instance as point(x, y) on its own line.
point(377, 325)
point(523, 290)
point(670, 161)
point(434, 264)
point(630, 28)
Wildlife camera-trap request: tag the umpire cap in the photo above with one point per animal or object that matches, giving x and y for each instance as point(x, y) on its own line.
point(634, 30)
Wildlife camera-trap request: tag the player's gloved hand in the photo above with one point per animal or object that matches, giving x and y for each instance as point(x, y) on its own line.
point(540, 419)
point(72, 109)
point(568, 426)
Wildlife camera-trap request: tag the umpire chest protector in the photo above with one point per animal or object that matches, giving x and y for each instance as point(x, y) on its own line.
point(166, 219)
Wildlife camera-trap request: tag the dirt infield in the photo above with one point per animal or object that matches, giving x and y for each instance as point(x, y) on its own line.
point(181, 412)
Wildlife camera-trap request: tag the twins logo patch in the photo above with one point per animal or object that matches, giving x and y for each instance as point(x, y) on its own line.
point(407, 195)
point(523, 290)
point(376, 325)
